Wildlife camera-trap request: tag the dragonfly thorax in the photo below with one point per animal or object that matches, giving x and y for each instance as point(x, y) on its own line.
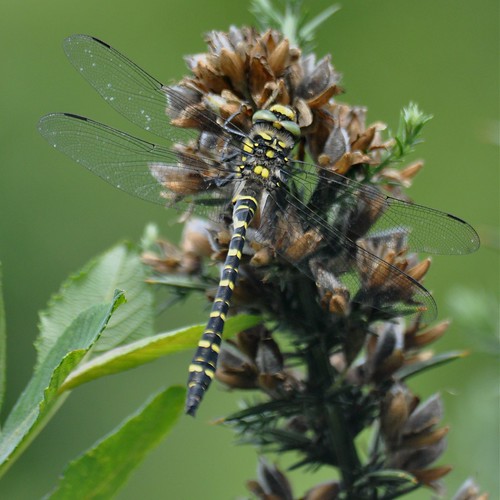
point(268, 145)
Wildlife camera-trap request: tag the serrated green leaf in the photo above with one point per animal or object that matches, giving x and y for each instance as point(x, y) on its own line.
point(40, 398)
point(102, 470)
point(421, 366)
point(147, 350)
point(3, 340)
point(121, 268)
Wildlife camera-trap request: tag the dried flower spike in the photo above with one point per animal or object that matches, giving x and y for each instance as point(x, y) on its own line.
point(305, 206)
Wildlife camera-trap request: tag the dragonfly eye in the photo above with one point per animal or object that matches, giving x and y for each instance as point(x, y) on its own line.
point(264, 115)
point(291, 127)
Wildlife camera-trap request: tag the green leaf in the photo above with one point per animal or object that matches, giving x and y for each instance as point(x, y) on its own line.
point(3, 339)
point(390, 476)
point(393, 481)
point(146, 350)
point(307, 31)
point(103, 469)
point(265, 14)
point(291, 21)
point(41, 397)
point(411, 122)
point(179, 281)
point(121, 268)
point(421, 366)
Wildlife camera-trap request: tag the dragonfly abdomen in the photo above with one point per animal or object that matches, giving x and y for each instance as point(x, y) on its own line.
point(202, 368)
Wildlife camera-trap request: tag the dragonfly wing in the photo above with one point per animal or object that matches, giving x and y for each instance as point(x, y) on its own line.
point(134, 93)
point(428, 230)
point(142, 169)
point(337, 263)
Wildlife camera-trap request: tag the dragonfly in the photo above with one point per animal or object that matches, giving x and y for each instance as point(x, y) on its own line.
point(220, 169)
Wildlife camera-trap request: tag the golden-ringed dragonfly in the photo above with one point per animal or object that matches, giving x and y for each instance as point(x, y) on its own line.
point(244, 173)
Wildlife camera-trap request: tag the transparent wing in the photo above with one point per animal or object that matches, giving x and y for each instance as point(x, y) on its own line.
point(148, 171)
point(147, 102)
point(427, 229)
point(161, 175)
point(332, 259)
point(337, 213)
point(134, 93)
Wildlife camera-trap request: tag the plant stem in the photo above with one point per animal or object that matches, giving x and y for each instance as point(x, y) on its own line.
point(340, 440)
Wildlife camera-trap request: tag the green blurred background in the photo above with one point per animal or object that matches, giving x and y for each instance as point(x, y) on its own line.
point(55, 216)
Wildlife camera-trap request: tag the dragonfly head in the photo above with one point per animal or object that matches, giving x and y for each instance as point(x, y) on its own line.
point(280, 117)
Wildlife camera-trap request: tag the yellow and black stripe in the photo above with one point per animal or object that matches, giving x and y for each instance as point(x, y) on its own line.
point(202, 368)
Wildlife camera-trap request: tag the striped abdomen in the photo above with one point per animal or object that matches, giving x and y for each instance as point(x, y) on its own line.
point(202, 368)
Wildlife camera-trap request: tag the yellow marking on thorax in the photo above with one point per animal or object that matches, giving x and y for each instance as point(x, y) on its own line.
point(265, 135)
point(262, 171)
point(270, 153)
point(247, 145)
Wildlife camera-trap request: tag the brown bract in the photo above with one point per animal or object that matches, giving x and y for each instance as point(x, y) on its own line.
point(245, 70)
point(253, 360)
point(286, 272)
point(412, 439)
